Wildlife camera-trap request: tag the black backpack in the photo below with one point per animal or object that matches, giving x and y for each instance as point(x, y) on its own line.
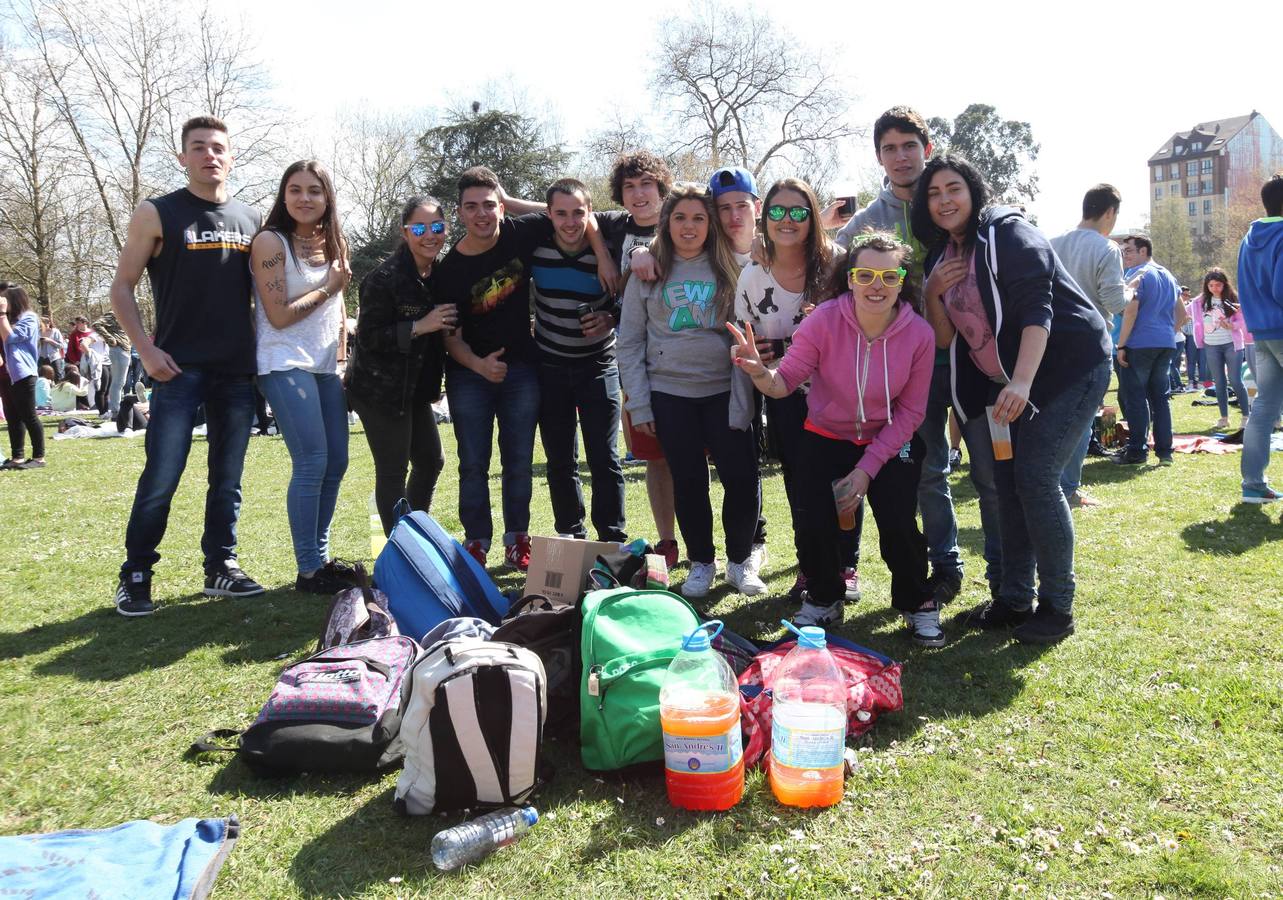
point(549, 629)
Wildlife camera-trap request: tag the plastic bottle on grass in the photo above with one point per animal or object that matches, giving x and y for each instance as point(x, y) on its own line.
point(475, 840)
point(808, 724)
point(377, 537)
point(699, 710)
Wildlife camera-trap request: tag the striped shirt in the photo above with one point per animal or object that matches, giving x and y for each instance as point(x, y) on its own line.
point(561, 283)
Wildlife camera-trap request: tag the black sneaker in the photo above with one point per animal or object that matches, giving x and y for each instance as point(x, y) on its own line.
point(995, 615)
point(342, 570)
point(321, 582)
point(133, 595)
point(231, 582)
point(1044, 627)
point(1096, 448)
point(1128, 458)
point(945, 585)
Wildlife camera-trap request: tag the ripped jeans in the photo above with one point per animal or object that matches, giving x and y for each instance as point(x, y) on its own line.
point(311, 412)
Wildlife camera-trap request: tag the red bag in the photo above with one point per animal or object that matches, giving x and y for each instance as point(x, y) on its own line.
point(872, 688)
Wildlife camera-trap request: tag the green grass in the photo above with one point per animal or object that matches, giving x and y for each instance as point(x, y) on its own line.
point(1140, 758)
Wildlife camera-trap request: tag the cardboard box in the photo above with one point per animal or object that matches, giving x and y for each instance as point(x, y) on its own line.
point(559, 566)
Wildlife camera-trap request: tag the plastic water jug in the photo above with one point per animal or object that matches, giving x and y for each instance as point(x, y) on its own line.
point(808, 723)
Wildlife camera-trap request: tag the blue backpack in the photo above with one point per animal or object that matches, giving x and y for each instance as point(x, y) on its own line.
point(428, 577)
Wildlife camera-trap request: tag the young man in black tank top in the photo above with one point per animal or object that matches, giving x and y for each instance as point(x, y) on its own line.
point(194, 244)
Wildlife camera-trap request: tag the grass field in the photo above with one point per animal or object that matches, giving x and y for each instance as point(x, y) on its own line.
point(1141, 758)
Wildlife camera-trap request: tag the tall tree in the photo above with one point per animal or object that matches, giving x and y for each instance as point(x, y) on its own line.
point(1173, 245)
point(1003, 150)
point(748, 93)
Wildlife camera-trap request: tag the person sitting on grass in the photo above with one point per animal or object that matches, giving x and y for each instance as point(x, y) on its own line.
point(44, 382)
point(63, 395)
point(869, 357)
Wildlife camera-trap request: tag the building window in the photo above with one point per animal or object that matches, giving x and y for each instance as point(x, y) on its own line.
point(1191, 167)
point(1176, 170)
point(1158, 173)
point(1207, 185)
point(1198, 145)
point(1207, 207)
point(1158, 192)
point(1206, 166)
point(1193, 208)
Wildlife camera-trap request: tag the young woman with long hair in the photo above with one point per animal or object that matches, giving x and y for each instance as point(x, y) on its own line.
point(774, 296)
point(394, 374)
point(20, 334)
point(1028, 351)
point(300, 267)
point(868, 356)
point(1219, 331)
point(676, 374)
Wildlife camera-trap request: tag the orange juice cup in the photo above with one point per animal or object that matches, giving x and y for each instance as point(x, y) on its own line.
point(1000, 434)
point(842, 490)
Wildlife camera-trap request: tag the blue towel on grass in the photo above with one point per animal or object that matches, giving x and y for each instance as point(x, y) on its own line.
point(134, 861)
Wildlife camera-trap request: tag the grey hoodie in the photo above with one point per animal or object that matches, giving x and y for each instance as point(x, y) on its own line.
point(886, 213)
point(672, 338)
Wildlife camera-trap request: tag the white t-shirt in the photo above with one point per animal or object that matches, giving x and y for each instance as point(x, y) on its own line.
point(1212, 334)
point(310, 344)
point(774, 311)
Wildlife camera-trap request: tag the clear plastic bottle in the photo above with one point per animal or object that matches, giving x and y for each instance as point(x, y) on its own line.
point(475, 840)
point(377, 537)
point(808, 724)
point(699, 710)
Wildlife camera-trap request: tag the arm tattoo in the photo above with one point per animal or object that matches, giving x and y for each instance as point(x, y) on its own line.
point(274, 261)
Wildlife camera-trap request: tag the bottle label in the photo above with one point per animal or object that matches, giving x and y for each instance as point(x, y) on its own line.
point(810, 741)
point(706, 755)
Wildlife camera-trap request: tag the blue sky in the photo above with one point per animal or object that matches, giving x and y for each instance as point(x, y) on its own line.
point(1103, 84)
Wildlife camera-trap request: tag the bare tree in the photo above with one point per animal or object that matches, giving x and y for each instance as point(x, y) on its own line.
point(748, 93)
point(32, 167)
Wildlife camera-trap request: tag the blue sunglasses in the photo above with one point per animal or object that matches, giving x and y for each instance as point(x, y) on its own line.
point(418, 228)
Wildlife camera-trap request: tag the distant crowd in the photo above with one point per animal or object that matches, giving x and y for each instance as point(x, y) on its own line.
point(704, 320)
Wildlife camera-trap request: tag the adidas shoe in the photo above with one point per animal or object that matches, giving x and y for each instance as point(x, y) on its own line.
point(745, 581)
point(133, 595)
point(231, 582)
point(699, 580)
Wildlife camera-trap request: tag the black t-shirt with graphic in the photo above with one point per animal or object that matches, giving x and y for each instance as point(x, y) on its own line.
point(492, 289)
point(622, 233)
point(201, 282)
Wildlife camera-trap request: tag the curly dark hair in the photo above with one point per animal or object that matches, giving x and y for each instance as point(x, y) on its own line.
point(886, 243)
point(635, 165)
point(924, 227)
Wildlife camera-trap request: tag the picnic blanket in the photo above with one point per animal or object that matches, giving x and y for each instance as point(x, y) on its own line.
point(133, 861)
point(1200, 443)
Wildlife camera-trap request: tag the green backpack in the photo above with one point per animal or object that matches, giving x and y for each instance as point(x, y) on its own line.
point(628, 639)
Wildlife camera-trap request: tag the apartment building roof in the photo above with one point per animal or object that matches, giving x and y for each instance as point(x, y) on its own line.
point(1213, 135)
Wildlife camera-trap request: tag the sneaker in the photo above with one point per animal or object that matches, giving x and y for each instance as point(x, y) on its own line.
point(798, 588)
point(1080, 498)
point(1044, 627)
point(321, 582)
point(745, 581)
point(517, 554)
point(945, 585)
point(1126, 457)
point(231, 582)
point(1096, 448)
point(757, 559)
point(994, 615)
point(925, 626)
point(668, 550)
point(133, 595)
point(823, 616)
point(476, 550)
point(342, 570)
point(1222, 424)
point(955, 459)
point(1166, 461)
point(1259, 495)
point(699, 580)
point(33, 464)
point(851, 581)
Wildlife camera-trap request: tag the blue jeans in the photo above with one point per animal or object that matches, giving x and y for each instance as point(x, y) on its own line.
point(1145, 382)
point(1193, 361)
point(1072, 478)
point(475, 405)
point(311, 413)
point(1225, 361)
point(980, 463)
point(587, 390)
point(1037, 530)
point(934, 500)
point(119, 378)
point(229, 409)
point(1265, 412)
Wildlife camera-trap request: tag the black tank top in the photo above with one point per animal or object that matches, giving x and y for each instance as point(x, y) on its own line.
point(201, 282)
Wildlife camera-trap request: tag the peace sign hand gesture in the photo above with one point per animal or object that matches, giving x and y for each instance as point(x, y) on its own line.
point(744, 352)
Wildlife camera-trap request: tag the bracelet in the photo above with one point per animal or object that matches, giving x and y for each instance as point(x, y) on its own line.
point(325, 291)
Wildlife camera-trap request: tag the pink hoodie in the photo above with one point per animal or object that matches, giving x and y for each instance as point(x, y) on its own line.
point(1237, 327)
point(870, 392)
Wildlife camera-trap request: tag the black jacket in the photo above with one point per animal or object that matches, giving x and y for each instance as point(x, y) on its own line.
point(1022, 282)
point(389, 368)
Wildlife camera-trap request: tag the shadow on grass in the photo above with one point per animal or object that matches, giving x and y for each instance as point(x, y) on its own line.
point(1247, 527)
point(103, 646)
point(236, 779)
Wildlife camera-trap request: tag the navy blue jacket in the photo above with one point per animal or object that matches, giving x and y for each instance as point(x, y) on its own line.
point(1022, 282)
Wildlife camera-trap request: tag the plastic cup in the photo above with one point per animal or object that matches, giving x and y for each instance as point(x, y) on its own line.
point(1000, 434)
point(841, 490)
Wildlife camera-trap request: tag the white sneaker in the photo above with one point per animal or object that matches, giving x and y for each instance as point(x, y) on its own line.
point(824, 616)
point(925, 626)
point(744, 579)
point(756, 561)
point(699, 580)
